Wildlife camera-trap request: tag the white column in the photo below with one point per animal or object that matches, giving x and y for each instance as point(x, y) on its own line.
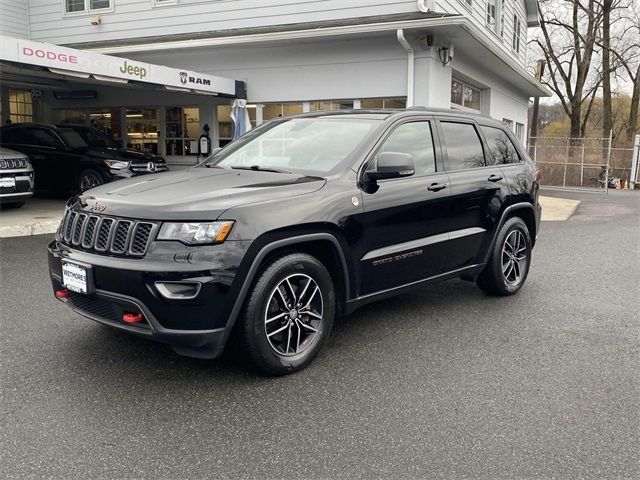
point(259, 117)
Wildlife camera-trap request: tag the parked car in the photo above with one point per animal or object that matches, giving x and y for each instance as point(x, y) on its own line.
point(16, 178)
point(64, 162)
point(141, 162)
point(300, 220)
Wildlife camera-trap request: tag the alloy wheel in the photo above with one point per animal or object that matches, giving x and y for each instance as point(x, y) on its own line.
point(293, 316)
point(88, 181)
point(514, 257)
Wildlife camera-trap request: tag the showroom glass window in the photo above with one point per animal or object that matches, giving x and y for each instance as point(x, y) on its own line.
point(182, 131)
point(464, 148)
point(143, 125)
point(501, 148)
point(20, 106)
point(383, 103)
point(414, 138)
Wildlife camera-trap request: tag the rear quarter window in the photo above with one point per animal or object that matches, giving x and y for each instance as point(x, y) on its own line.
point(501, 148)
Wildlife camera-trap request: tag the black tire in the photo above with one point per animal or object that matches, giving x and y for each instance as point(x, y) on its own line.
point(504, 274)
point(264, 302)
point(88, 179)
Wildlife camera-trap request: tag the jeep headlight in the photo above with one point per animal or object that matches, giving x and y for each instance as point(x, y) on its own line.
point(117, 164)
point(193, 233)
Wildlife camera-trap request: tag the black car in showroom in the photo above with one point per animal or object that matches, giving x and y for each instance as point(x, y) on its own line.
point(300, 220)
point(65, 162)
point(16, 178)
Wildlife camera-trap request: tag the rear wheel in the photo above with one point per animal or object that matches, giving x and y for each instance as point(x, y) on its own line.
point(89, 179)
point(508, 265)
point(288, 315)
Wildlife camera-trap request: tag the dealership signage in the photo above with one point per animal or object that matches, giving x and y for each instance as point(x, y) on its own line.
point(84, 63)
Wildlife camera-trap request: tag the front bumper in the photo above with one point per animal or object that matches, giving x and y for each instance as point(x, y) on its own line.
point(23, 185)
point(197, 327)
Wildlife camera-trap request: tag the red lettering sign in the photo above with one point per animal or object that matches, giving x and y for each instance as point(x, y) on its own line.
point(49, 55)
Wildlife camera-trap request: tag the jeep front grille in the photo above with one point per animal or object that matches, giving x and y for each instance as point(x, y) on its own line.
point(102, 234)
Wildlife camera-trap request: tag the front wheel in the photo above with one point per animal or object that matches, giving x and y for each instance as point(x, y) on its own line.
point(288, 315)
point(508, 265)
point(89, 179)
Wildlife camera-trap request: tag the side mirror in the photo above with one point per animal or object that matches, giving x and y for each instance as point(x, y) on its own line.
point(391, 165)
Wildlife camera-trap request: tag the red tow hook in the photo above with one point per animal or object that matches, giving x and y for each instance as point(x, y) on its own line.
point(62, 294)
point(132, 317)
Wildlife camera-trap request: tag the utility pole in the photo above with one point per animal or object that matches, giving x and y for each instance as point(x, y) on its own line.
point(533, 132)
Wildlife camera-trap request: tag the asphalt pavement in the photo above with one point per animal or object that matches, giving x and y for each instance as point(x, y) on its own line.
point(443, 382)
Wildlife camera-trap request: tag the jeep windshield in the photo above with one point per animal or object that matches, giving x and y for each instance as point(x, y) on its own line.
point(311, 146)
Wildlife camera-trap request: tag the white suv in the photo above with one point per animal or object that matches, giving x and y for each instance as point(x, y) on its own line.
point(16, 178)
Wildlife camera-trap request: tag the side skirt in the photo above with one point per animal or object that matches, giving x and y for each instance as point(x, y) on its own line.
point(467, 272)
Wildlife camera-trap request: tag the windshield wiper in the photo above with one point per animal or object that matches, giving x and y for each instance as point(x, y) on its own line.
point(258, 168)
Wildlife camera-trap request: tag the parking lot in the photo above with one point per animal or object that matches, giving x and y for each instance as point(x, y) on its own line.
point(443, 382)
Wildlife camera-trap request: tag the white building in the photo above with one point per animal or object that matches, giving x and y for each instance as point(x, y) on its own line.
point(292, 55)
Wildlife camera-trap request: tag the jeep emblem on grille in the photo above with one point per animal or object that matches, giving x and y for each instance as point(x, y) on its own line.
point(98, 207)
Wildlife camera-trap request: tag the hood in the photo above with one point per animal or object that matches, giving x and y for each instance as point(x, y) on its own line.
point(5, 153)
point(126, 154)
point(197, 193)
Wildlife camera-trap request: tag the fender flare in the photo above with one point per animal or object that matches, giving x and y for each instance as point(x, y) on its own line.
point(505, 214)
point(270, 247)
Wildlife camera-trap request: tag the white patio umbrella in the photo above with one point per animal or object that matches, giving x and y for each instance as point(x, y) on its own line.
point(240, 117)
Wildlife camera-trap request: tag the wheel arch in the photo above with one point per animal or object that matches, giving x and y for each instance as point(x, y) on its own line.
point(524, 210)
point(324, 246)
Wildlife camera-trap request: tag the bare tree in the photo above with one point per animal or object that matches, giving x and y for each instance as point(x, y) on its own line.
point(620, 45)
point(607, 114)
point(569, 32)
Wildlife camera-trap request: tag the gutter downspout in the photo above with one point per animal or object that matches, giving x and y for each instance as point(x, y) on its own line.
point(425, 6)
point(410, 65)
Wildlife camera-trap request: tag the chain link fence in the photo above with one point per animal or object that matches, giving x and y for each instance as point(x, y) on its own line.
point(581, 162)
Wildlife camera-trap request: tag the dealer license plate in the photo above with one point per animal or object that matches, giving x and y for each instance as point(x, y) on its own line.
point(77, 277)
point(7, 182)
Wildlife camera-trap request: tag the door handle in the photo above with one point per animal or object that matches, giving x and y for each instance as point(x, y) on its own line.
point(436, 187)
point(494, 178)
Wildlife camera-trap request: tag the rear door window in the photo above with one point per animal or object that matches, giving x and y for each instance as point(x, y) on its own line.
point(464, 147)
point(501, 148)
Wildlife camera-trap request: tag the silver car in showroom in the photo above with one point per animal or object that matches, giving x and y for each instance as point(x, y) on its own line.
point(16, 178)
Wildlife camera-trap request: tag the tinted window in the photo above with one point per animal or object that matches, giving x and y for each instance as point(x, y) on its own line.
point(41, 137)
point(464, 147)
point(416, 140)
point(73, 138)
point(13, 135)
point(501, 149)
point(94, 137)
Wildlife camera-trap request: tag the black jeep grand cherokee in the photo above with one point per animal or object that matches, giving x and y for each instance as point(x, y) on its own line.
point(300, 220)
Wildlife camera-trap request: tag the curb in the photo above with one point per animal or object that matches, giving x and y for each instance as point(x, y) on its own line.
point(27, 229)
